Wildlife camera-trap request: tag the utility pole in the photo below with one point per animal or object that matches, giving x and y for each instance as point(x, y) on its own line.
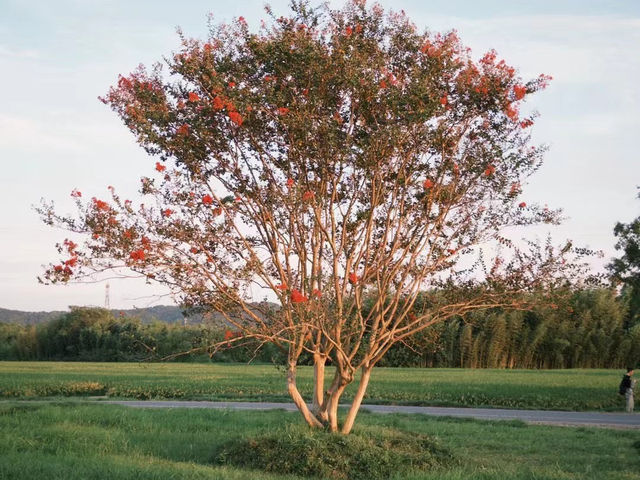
point(106, 296)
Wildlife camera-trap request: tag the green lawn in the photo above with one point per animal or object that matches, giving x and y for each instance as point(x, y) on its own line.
point(535, 389)
point(70, 441)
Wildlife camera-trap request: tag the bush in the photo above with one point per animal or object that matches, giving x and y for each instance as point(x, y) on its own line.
point(368, 453)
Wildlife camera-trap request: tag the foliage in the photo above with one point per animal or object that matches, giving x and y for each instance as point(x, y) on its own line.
point(333, 156)
point(626, 269)
point(368, 454)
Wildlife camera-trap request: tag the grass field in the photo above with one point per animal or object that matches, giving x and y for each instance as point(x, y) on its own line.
point(73, 441)
point(530, 389)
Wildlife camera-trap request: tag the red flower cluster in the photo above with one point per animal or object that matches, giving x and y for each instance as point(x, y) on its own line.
point(167, 212)
point(308, 196)
point(71, 246)
point(76, 193)
point(427, 183)
point(236, 118)
point(183, 130)
point(297, 297)
point(290, 182)
point(160, 167)
point(316, 293)
point(490, 170)
point(207, 199)
point(526, 123)
point(100, 204)
point(348, 31)
point(137, 255)
point(193, 97)
point(444, 100)
point(232, 84)
point(71, 262)
point(519, 92)
point(282, 287)
point(353, 278)
point(522, 204)
point(283, 111)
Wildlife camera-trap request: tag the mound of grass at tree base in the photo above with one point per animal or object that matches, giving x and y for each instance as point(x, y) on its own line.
point(368, 453)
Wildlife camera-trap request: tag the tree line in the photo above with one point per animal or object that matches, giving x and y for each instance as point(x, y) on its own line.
point(591, 329)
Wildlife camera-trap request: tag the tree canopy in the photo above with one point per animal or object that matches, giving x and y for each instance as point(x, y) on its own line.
point(330, 157)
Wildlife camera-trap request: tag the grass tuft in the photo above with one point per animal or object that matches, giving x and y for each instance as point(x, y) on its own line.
point(370, 453)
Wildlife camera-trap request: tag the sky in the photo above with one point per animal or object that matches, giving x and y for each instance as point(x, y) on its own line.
point(58, 56)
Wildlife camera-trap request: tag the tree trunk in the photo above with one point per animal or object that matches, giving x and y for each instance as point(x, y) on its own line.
point(332, 406)
point(318, 387)
point(357, 400)
point(297, 398)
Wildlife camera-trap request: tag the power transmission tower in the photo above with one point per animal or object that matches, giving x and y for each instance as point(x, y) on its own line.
point(106, 296)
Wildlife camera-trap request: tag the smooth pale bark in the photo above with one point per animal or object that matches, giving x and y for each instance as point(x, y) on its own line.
point(332, 406)
point(319, 362)
point(297, 398)
point(357, 400)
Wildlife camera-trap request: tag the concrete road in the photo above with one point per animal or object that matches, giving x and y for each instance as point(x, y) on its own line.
point(588, 419)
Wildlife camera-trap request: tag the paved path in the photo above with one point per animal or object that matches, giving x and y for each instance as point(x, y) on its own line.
point(592, 419)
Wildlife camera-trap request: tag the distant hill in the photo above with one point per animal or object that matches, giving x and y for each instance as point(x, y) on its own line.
point(162, 313)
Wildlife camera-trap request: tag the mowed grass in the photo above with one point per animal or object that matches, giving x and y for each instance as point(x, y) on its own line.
point(91, 441)
point(526, 389)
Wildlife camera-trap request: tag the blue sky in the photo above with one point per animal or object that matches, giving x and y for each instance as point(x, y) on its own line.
point(57, 57)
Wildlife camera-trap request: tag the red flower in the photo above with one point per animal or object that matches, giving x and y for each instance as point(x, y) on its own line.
point(242, 20)
point(358, 28)
point(232, 84)
point(526, 123)
point(160, 167)
point(100, 204)
point(317, 293)
point(58, 268)
point(290, 182)
point(137, 255)
point(297, 297)
point(348, 31)
point(353, 278)
point(218, 103)
point(146, 243)
point(427, 183)
point(67, 271)
point(490, 170)
point(183, 129)
point(511, 112)
point(308, 196)
point(71, 262)
point(71, 246)
point(76, 193)
point(193, 97)
point(95, 236)
point(283, 111)
point(383, 83)
point(282, 287)
point(305, 92)
point(519, 91)
point(267, 78)
point(236, 118)
point(167, 212)
point(217, 211)
point(207, 199)
point(522, 204)
point(456, 169)
point(444, 100)
point(193, 250)
point(228, 335)
point(451, 251)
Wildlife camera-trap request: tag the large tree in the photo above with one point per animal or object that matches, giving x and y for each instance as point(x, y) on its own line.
point(332, 157)
point(625, 270)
